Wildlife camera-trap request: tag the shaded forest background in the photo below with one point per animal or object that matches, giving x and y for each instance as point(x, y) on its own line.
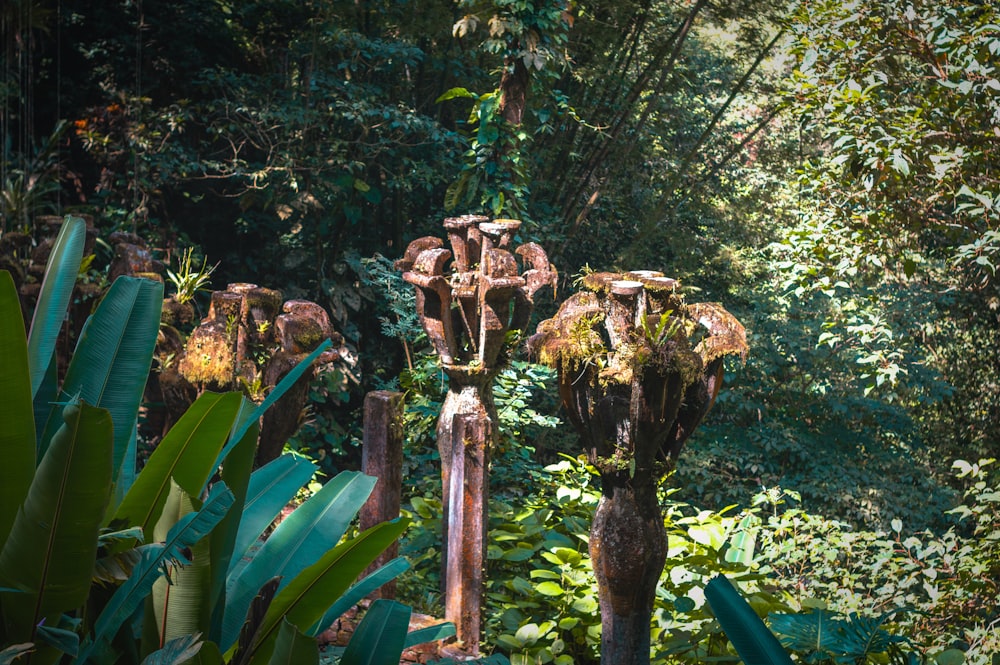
point(826, 170)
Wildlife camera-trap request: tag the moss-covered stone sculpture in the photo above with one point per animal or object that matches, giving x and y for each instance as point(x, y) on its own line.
point(638, 370)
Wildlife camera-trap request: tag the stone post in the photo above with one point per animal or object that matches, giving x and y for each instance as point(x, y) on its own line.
point(382, 457)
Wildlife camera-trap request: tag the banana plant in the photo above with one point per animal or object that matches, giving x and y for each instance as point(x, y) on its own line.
point(191, 568)
point(818, 636)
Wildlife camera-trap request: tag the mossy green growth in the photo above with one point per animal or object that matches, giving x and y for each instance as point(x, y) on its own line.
point(572, 338)
point(209, 357)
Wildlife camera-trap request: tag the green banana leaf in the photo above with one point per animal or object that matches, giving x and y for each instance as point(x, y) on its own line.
point(300, 540)
point(127, 474)
point(17, 436)
point(294, 648)
point(62, 639)
point(45, 397)
point(379, 638)
point(111, 363)
point(54, 296)
point(271, 488)
point(306, 598)
point(209, 655)
point(52, 546)
point(181, 602)
point(755, 644)
point(236, 472)
point(176, 651)
point(359, 591)
point(440, 631)
point(127, 598)
point(743, 541)
point(186, 454)
point(275, 394)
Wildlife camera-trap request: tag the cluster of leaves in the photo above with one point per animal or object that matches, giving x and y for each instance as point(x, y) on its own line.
point(103, 563)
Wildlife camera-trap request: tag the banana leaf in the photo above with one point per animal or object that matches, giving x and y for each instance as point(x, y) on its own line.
point(271, 488)
point(743, 541)
point(752, 640)
point(440, 631)
point(299, 540)
point(359, 591)
point(186, 454)
point(306, 598)
point(54, 296)
point(17, 436)
point(236, 473)
point(127, 598)
point(111, 363)
point(379, 638)
point(286, 382)
point(176, 651)
point(180, 599)
point(64, 640)
point(294, 648)
point(52, 546)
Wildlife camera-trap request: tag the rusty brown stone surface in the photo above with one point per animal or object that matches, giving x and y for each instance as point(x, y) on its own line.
point(250, 340)
point(468, 299)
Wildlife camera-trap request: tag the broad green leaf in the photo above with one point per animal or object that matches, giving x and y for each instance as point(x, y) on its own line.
point(181, 606)
point(209, 655)
point(294, 648)
point(441, 631)
point(271, 488)
point(752, 640)
point(45, 397)
point(17, 435)
point(111, 363)
point(306, 598)
point(54, 297)
point(62, 639)
point(176, 651)
point(299, 540)
point(454, 93)
point(379, 638)
point(188, 531)
point(359, 591)
point(52, 546)
point(186, 454)
point(549, 589)
point(236, 473)
point(286, 382)
point(743, 541)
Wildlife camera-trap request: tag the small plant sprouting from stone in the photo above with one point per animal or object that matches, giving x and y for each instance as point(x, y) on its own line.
point(187, 280)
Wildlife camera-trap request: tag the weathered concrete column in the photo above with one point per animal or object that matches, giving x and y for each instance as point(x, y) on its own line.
point(469, 298)
point(382, 457)
point(468, 492)
point(638, 369)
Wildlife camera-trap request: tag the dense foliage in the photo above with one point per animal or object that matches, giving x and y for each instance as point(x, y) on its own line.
point(826, 170)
